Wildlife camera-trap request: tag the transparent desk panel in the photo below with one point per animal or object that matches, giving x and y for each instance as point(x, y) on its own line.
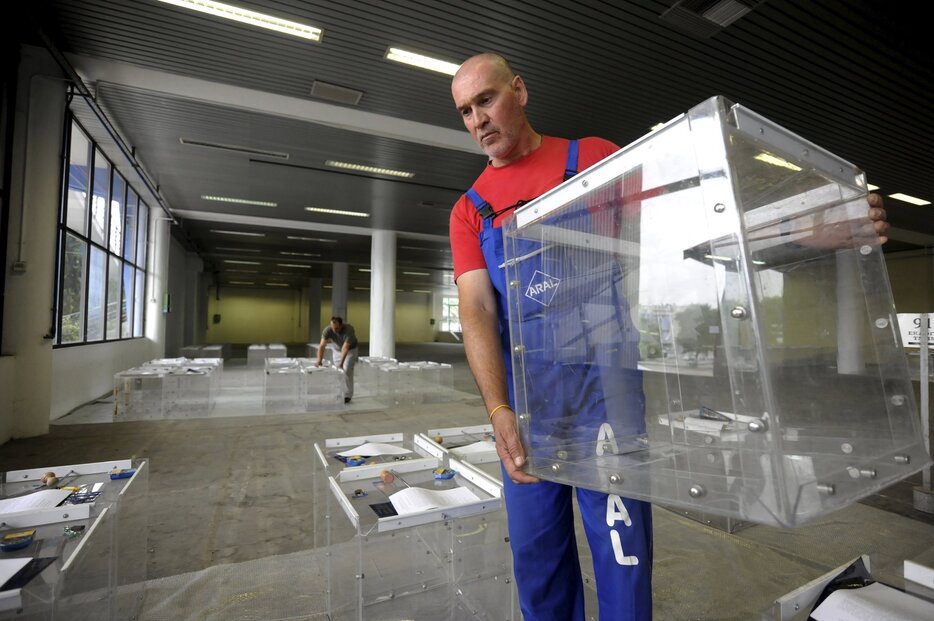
point(476, 445)
point(448, 563)
point(704, 320)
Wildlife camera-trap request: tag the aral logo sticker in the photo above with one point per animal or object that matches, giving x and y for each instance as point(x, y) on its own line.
point(543, 287)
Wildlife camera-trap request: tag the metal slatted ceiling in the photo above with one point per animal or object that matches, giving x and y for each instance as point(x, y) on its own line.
point(848, 75)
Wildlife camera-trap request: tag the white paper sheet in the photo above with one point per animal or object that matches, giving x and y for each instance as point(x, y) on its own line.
point(371, 449)
point(483, 446)
point(415, 499)
point(876, 602)
point(42, 499)
point(9, 567)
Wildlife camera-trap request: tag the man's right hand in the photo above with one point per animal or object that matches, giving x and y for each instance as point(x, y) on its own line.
point(509, 446)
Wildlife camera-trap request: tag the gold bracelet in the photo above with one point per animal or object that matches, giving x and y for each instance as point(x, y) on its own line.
point(496, 409)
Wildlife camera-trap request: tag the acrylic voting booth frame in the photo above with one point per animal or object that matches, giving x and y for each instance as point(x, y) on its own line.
point(704, 320)
point(448, 562)
point(99, 546)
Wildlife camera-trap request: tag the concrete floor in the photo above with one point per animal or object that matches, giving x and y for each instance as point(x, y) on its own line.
point(232, 512)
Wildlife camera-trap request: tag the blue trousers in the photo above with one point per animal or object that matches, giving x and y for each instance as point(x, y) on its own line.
point(545, 559)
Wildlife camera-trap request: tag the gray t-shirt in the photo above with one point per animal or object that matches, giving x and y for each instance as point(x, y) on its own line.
point(338, 338)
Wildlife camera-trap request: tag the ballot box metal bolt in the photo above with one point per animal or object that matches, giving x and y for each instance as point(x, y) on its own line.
point(738, 312)
point(898, 400)
point(868, 473)
point(719, 208)
point(607, 447)
point(524, 418)
point(555, 467)
point(513, 283)
point(615, 478)
point(518, 349)
point(758, 425)
point(902, 459)
point(882, 322)
point(865, 250)
point(826, 488)
point(847, 448)
point(697, 490)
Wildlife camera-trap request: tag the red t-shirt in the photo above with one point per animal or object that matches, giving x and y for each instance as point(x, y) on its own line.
point(522, 180)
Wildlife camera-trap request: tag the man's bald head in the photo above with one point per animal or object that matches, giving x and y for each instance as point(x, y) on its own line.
point(495, 64)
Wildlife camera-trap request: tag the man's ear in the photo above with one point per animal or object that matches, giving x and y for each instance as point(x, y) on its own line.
point(518, 87)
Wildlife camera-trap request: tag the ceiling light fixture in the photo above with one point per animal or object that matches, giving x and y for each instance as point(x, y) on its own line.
point(300, 254)
point(240, 201)
point(245, 233)
point(276, 284)
point(364, 269)
point(338, 212)
point(417, 273)
point(238, 249)
point(241, 271)
point(909, 199)
point(421, 61)
point(420, 291)
point(242, 262)
point(370, 169)
point(239, 282)
point(871, 187)
point(293, 265)
point(361, 288)
point(314, 239)
point(235, 148)
point(253, 18)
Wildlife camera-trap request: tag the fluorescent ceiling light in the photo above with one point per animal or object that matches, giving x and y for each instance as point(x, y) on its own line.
point(370, 169)
point(871, 188)
point(245, 233)
point(315, 239)
point(244, 16)
point(242, 271)
point(300, 254)
point(242, 262)
point(327, 286)
point(417, 273)
point(293, 265)
point(774, 160)
point(909, 199)
point(364, 269)
point(420, 291)
point(239, 282)
point(236, 148)
point(238, 249)
point(276, 284)
point(239, 201)
point(361, 288)
point(338, 212)
point(420, 60)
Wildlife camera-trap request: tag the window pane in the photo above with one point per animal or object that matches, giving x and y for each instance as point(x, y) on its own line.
point(143, 220)
point(138, 303)
point(96, 292)
point(99, 200)
point(117, 189)
point(73, 280)
point(450, 319)
point(113, 298)
point(129, 231)
point(78, 162)
point(126, 302)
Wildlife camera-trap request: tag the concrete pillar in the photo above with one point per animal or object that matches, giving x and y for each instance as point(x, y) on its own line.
point(314, 310)
point(383, 294)
point(339, 282)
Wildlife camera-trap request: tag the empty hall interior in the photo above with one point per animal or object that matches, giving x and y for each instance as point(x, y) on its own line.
point(191, 190)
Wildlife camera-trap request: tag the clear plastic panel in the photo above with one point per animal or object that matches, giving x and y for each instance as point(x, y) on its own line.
point(324, 388)
point(131, 533)
point(85, 589)
point(366, 374)
point(283, 390)
point(704, 320)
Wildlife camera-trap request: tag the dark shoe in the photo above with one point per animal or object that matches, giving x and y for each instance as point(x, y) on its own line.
point(346, 399)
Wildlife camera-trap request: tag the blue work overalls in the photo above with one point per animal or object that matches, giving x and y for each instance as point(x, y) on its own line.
point(541, 521)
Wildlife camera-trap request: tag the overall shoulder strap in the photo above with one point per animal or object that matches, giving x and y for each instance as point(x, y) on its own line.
point(483, 208)
point(570, 167)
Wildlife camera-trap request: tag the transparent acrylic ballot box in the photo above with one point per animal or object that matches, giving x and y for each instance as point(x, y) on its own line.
point(323, 387)
point(97, 549)
point(283, 385)
point(436, 562)
point(704, 320)
point(138, 393)
point(366, 374)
